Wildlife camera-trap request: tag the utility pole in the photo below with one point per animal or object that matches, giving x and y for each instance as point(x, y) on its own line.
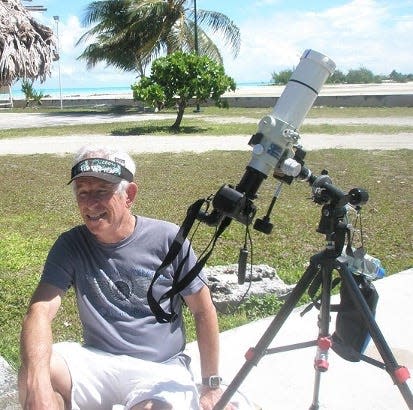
point(57, 19)
point(198, 109)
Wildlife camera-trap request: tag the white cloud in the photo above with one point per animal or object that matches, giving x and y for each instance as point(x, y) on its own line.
point(73, 71)
point(359, 33)
point(69, 33)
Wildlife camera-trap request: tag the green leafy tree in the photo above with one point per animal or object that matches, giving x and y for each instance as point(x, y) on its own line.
point(397, 77)
point(361, 76)
point(354, 76)
point(180, 77)
point(338, 77)
point(282, 77)
point(30, 93)
point(129, 34)
point(149, 92)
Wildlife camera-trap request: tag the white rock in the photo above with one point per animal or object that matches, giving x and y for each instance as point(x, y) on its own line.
point(260, 280)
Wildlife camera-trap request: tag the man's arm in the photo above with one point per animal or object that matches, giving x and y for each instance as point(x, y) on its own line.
point(206, 322)
point(207, 331)
point(35, 386)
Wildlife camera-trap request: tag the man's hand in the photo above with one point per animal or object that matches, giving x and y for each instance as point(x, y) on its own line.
point(35, 385)
point(44, 398)
point(209, 397)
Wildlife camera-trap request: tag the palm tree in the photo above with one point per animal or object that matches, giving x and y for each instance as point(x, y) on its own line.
point(129, 34)
point(27, 48)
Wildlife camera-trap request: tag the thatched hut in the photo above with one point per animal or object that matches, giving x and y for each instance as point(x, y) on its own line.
point(27, 48)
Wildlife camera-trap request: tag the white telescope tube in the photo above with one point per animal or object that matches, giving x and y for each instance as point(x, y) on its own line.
point(303, 87)
point(272, 145)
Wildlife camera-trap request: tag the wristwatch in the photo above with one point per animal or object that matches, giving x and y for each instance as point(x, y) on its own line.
point(213, 382)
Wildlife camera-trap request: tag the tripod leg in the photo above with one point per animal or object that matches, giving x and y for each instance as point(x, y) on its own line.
point(324, 341)
point(398, 373)
point(253, 356)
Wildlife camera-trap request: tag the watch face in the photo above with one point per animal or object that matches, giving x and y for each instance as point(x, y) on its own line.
point(214, 382)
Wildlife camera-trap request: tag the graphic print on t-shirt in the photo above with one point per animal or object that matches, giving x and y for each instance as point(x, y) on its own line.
point(120, 295)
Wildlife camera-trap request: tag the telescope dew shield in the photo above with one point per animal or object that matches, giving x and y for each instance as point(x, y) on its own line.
point(303, 87)
point(277, 135)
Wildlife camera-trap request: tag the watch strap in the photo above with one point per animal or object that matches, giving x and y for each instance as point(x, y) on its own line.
point(213, 382)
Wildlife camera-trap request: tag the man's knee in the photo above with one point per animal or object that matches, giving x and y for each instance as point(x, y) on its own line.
point(60, 377)
point(152, 404)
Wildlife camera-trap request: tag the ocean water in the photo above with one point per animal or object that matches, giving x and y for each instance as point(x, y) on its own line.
point(97, 91)
point(75, 92)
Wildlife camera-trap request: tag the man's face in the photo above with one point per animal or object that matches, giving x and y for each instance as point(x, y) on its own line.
point(105, 213)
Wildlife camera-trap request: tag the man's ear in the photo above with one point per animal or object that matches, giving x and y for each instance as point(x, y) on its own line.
point(131, 192)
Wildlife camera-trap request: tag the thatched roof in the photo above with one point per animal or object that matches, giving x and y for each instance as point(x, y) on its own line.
point(27, 48)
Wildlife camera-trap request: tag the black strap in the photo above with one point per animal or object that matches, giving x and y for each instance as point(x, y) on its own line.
point(178, 284)
point(173, 251)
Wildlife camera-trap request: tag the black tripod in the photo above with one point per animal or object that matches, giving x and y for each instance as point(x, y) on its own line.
point(333, 225)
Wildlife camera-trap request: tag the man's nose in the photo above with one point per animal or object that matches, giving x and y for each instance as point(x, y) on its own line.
point(92, 198)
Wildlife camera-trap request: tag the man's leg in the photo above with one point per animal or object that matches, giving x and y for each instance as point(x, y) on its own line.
point(60, 380)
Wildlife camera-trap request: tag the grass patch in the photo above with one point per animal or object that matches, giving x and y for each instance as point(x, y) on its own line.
point(315, 111)
point(190, 127)
point(211, 121)
point(37, 206)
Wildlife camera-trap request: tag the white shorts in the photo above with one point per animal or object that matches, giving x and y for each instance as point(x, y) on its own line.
point(102, 380)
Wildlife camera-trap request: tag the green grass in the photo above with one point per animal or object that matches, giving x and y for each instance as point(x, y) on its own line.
point(189, 127)
point(37, 206)
point(332, 112)
point(206, 123)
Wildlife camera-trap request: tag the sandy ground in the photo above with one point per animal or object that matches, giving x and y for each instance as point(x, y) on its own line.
point(330, 89)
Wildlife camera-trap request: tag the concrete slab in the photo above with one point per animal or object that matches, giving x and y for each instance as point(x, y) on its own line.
point(286, 380)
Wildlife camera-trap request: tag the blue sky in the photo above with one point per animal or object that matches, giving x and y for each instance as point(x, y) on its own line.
point(374, 34)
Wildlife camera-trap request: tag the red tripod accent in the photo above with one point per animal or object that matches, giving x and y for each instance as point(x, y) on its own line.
point(321, 360)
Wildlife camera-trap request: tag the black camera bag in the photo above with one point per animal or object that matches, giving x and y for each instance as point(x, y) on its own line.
point(351, 334)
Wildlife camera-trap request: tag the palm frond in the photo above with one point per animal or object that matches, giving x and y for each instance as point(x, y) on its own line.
point(220, 23)
point(205, 44)
point(141, 30)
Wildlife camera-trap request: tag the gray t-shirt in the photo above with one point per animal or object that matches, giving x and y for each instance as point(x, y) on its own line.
point(111, 283)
